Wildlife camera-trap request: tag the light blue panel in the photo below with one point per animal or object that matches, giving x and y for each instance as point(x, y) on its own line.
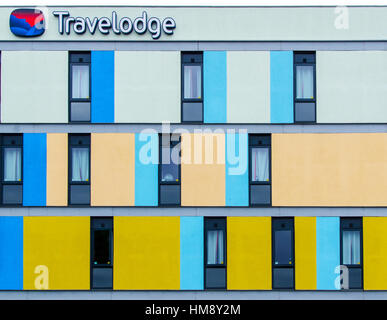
point(328, 251)
point(281, 87)
point(34, 169)
point(215, 86)
point(237, 177)
point(191, 253)
point(11, 253)
point(102, 86)
point(146, 169)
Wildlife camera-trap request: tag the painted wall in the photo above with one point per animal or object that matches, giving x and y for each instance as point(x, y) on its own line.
point(11, 253)
point(203, 170)
point(62, 244)
point(191, 253)
point(112, 169)
point(249, 253)
point(305, 253)
point(146, 253)
point(57, 169)
point(34, 86)
point(248, 87)
point(348, 169)
point(375, 253)
point(147, 86)
point(351, 86)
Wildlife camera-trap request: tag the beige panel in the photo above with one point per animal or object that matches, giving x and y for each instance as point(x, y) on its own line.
point(248, 87)
point(147, 86)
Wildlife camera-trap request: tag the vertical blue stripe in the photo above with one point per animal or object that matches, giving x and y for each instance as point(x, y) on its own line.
point(328, 251)
point(146, 169)
point(237, 178)
point(34, 169)
point(102, 86)
point(11, 253)
point(191, 253)
point(215, 86)
point(281, 86)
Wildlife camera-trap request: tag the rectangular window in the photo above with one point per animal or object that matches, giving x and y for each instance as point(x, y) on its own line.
point(283, 253)
point(80, 94)
point(215, 253)
point(351, 253)
point(260, 170)
point(12, 178)
point(102, 253)
point(169, 170)
point(79, 170)
point(305, 87)
point(192, 86)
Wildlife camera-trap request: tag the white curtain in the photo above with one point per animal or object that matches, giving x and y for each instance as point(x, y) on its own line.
point(215, 247)
point(260, 164)
point(351, 247)
point(80, 164)
point(80, 82)
point(304, 82)
point(12, 164)
point(192, 82)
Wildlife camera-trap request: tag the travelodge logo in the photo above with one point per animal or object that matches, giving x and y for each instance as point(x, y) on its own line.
point(27, 22)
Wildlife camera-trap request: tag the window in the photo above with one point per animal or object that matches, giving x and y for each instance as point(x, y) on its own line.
point(79, 170)
point(12, 177)
point(169, 169)
point(283, 253)
point(192, 87)
point(305, 87)
point(215, 253)
point(351, 252)
point(260, 169)
point(79, 87)
point(102, 253)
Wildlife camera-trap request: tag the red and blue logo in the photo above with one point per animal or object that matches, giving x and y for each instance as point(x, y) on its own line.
point(27, 22)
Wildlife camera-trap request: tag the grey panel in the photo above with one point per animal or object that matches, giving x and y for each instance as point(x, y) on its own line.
point(12, 194)
point(192, 111)
point(80, 111)
point(283, 278)
point(102, 278)
point(80, 194)
point(355, 278)
point(305, 112)
point(260, 194)
point(215, 278)
point(170, 194)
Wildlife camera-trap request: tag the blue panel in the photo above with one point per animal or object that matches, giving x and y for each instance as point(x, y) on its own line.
point(34, 169)
point(191, 253)
point(281, 86)
point(328, 251)
point(146, 167)
point(237, 177)
point(215, 86)
point(102, 86)
point(11, 253)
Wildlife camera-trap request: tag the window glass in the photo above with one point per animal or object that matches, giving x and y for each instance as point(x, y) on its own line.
point(304, 80)
point(351, 247)
point(12, 164)
point(80, 81)
point(215, 247)
point(169, 169)
point(283, 247)
point(80, 164)
point(101, 252)
point(192, 82)
point(260, 164)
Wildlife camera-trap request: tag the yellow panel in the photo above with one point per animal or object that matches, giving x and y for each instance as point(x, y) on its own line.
point(146, 253)
point(347, 169)
point(112, 169)
point(249, 253)
point(305, 253)
point(57, 164)
point(62, 246)
point(203, 170)
point(375, 253)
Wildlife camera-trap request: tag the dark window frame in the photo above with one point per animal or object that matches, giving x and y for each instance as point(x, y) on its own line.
point(191, 54)
point(86, 55)
point(302, 55)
